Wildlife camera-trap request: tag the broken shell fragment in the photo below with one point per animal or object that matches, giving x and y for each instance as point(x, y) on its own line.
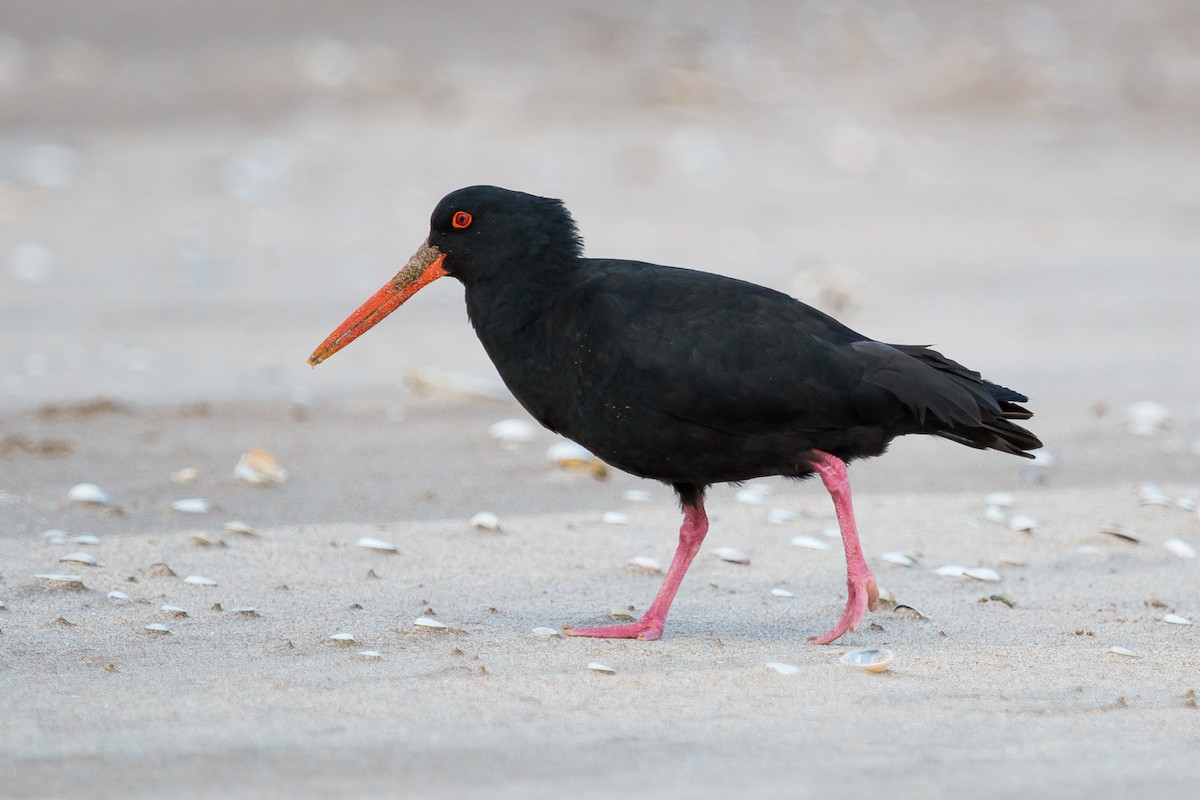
point(614, 518)
point(996, 514)
point(55, 536)
point(486, 522)
point(511, 432)
point(184, 476)
point(240, 528)
point(54, 577)
point(909, 612)
point(259, 467)
point(369, 655)
point(755, 495)
point(637, 496)
point(86, 538)
point(370, 543)
point(810, 543)
point(1021, 524)
point(779, 516)
point(782, 593)
point(1146, 418)
point(951, 571)
point(781, 668)
point(80, 558)
point(199, 580)
point(546, 633)
point(1120, 532)
point(596, 666)
point(1150, 494)
point(191, 505)
point(88, 493)
point(568, 455)
point(645, 563)
point(1000, 500)
point(342, 638)
point(427, 622)
point(174, 611)
point(1011, 560)
point(982, 574)
point(899, 559)
point(869, 660)
point(1124, 651)
point(1180, 548)
point(731, 554)
point(245, 611)
point(202, 539)
point(117, 595)
point(158, 629)
point(1175, 619)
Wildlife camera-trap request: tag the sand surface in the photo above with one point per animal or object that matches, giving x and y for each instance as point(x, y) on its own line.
point(193, 195)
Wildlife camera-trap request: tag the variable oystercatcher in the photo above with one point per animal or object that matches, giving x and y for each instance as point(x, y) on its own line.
point(686, 377)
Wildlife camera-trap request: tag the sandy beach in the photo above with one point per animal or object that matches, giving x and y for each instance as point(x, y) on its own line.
point(193, 195)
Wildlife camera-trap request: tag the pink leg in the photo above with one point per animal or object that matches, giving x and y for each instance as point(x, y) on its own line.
point(863, 593)
point(650, 626)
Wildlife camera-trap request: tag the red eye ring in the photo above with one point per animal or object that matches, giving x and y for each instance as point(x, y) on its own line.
point(460, 220)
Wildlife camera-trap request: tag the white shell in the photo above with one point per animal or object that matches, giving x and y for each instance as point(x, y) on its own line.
point(731, 554)
point(546, 633)
point(568, 452)
point(596, 666)
point(157, 627)
point(1149, 494)
point(512, 431)
point(1124, 651)
point(1010, 560)
point(344, 637)
point(185, 475)
point(781, 668)
point(88, 493)
point(996, 514)
point(951, 571)
point(86, 538)
point(782, 593)
point(751, 496)
point(199, 580)
point(117, 595)
point(426, 622)
point(637, 496)
point(982, 574)
point(1175, 619)
point(1186, 503)
point(80, 558)
point(1146, 418)
point(371, 543)
point(1022, 524)
point(370, 655)
point(55, 536)
point(1000, 499)
point(1043, 458)
point(899, 559)
point(259, 467)
point(645, 562)
point(778, 516)
point(174, 611)
point(869, 660)
point(615, 518)
point(1180, 548)
point(191, 505)
point(239, 527)
point(486, 521)
point(810, 543)
point(55, 577)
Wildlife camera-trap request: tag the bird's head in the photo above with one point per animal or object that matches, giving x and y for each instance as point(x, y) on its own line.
point(476, 234)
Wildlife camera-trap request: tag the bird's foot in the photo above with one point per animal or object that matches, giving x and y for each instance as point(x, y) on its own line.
point(646, 628)
point(863, 595)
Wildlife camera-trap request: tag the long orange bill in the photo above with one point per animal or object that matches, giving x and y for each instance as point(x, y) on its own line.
point(423, 268)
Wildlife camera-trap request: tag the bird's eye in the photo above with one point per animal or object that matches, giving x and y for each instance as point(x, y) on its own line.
point(460, 220)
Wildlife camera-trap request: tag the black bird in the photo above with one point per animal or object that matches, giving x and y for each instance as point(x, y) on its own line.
point(686, 377)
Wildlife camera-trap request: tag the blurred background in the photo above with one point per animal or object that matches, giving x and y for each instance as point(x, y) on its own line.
point(193, 194)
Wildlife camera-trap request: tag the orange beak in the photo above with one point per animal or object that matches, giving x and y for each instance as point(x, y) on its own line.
point(423, 268)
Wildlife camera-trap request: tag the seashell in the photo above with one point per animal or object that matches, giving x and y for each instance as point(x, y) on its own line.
point(778, 516)
point(486, 521)
point(375, 544)
point(596, 666)
point(259, 467)
point(80, 558)
point(905, 611)
point(370, 655)
point(240, 528)
point(886, 597)
point(342, 638)
point(546, 633)
point(117, 595)
point(1000, 500)
point(174, 611)
point(86, 538)
point(428, 622)
point(54, 577)
point(1022, 524)
point(512, 432)
point(781, 668)
point(751, 496)
point(731, 554)
point(55, 536)
point(1178, 547)
point(621, 612)
point(951, 571)
point(572, 457)
point(614, 518)
point(870, 660)
point(645, 562)
point(982, 574)
point(197, 580)
point(810, 543)
point(1186, 503)
point(184, 476)
point(158, 629)
point(1042, 458)
point(88, 493)
point(1150, 494)
point(996, 514)
point(1124, 651)
point(160, 570)
point(637, 496)
point(782, 593)
point(1146, 418)
point(191, 505)
point(1175, 619)
point(245, 611)
point(899, 559)
point(204, 540)
point(1120, 532)
point(1010, 560)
